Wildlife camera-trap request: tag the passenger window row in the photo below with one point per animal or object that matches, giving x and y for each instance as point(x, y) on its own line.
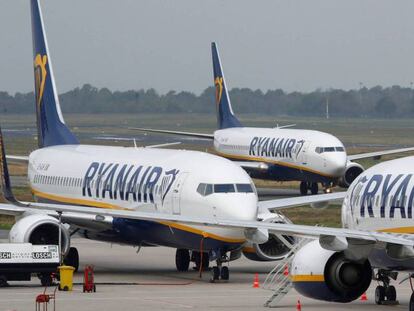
point(57, 180)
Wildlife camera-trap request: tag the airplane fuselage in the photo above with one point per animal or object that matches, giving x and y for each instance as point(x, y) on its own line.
point(149, 180)
point(381, 199)
point(290, 154)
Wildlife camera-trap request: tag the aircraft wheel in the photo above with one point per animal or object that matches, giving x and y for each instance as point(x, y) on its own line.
point(314, 188)
point(225, 273)
point(391, 293)
point(3, 281)
point(72, 258)
point(215, 274)
point(303, 188)
point(197, 258)
point(182, 259)
point(379, 295)
point(411, 304)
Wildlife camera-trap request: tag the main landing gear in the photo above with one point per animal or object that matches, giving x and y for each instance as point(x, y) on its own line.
point(183, 259)
point(305, 186)
point(386, 293)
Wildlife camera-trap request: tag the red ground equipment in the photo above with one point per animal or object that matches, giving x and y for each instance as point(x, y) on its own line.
point(43, 300)
point(88, 280)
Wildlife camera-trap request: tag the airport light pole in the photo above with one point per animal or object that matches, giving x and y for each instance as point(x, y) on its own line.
point(360, 93)
point(327, 103)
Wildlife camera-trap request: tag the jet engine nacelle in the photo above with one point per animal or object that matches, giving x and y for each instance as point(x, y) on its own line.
point(352, 171)
point(327, 275)
point(39, 229)
point(273, 249)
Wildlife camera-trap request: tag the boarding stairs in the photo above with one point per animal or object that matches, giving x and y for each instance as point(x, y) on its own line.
point(278, 280)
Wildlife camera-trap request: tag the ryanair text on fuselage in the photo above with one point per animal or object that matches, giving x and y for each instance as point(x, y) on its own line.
point(126, 181)
point(372, 195)
point(275, 147)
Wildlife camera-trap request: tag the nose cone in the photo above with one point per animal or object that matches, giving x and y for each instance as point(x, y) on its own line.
point(241, 206)
point(336, 163)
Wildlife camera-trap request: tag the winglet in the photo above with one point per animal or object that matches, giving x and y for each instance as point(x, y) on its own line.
point(225, 115)
point(5, 177)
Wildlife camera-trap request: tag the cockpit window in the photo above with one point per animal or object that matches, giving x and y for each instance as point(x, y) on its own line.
point(201, 189)
point(329, 149)
point(224, 188)
point(207, 189)
point(244, 188)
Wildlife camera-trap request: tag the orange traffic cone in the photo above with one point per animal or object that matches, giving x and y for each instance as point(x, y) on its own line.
point(256, 281)
point(364, 297)
point(298, 306)
point(286, 271)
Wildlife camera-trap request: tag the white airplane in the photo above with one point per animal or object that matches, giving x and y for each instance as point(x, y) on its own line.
point(194, 201)
point(281, 154)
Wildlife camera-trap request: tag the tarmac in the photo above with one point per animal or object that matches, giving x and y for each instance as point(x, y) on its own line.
point(147, 280)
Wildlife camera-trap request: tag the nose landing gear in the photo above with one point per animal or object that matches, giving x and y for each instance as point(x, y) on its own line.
point(219, 272)
point(386, 293)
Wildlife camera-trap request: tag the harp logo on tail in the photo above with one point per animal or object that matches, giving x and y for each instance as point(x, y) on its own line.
point(40, 77)
point(219, 89)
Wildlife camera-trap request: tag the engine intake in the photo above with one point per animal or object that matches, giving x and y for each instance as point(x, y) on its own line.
point(39, 229)
point(326, 275)
point(352, 171)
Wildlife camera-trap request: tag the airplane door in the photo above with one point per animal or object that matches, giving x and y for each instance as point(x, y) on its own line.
point(302, 156)
point(176, 194)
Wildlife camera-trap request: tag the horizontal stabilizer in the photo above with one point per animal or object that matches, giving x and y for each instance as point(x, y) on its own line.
point(189, 134)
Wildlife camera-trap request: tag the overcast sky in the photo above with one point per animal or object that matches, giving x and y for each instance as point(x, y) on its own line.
point(266, 44)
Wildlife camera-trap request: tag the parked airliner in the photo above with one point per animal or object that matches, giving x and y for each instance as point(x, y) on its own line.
point(281, 154)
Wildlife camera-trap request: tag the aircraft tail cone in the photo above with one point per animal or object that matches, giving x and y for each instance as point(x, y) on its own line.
point(298, 306)
point(256, 281)
point(364, 297)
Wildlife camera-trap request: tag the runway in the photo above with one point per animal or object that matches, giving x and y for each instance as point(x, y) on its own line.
point(148, 281)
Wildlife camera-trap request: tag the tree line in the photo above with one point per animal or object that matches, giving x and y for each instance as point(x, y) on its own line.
point(390, 102)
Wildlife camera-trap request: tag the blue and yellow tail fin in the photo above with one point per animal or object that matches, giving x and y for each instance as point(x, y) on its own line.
point(51, 128)
point(225, 115)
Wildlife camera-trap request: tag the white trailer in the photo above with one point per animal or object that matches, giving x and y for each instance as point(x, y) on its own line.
point(19, 261)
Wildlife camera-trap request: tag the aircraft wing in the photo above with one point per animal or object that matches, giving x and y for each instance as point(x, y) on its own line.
point(12, 210)
point(249, 226)
point(353, 157)
point(190, 134)
point(316, 200)
point(252, 165)
point(18, 158)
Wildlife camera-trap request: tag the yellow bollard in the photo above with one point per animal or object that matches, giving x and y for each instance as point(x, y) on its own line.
point(66, 277)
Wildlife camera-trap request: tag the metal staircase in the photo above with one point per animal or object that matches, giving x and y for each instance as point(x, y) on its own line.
point(277, 280)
